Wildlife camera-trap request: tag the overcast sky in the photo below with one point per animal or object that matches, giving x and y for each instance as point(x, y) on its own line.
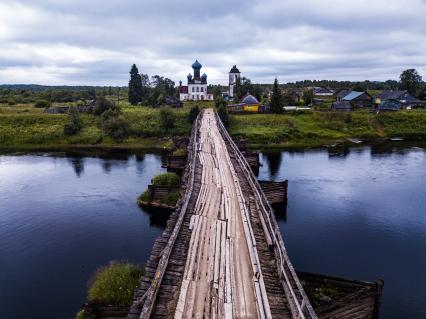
point(94, 42)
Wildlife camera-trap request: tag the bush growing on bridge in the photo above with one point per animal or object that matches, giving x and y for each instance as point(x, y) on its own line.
point(115, 284)
point(166, 179)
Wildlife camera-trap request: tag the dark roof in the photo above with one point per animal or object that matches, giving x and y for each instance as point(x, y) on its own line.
point(234, 70)
point(249, 99)
point(204, 76)
point(183, 89)
point(344, 105)
point(342, 93)
point(388, 95)
point(196, 65)
point(322, 90)
point(402, 96)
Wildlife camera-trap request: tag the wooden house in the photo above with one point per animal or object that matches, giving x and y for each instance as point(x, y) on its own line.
point(359, 100)
point(248, 103)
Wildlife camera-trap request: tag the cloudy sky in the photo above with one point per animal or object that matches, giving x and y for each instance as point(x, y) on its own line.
point(94, 42)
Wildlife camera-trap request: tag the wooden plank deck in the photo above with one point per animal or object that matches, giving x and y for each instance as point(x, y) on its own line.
point(221, 255)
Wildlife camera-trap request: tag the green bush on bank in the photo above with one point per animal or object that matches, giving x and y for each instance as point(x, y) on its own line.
point(115, 284)
point(166, 179)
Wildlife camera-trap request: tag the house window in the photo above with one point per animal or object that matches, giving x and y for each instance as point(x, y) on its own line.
point(198, 97)
point(202, 89)
point(198, 89)
point(193, 96)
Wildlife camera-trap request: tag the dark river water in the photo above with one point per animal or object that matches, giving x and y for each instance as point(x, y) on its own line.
point(353, 212)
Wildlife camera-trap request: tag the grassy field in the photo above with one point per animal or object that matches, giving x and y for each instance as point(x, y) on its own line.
point(23, 126)
point(26, 127)
point(318, 128)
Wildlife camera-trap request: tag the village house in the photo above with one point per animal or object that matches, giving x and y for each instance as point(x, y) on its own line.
point(248, 103)
point(319, 91)
point(396, 100)
point(359, 100)
point(197, 86)
point(341, 94)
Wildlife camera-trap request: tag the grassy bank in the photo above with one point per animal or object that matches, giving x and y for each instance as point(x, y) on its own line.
point(26, 127)
point(111, 285)
point(171, 180)
point(319, 128)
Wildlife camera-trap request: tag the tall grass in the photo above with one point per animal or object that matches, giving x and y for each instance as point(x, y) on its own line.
point(115, 284)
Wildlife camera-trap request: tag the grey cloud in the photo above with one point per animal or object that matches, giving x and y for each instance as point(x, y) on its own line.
point(96, 41)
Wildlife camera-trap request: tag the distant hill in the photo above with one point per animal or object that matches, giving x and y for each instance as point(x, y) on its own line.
point(37, 87)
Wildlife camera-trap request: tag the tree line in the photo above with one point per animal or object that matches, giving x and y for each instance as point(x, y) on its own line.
point(152, 92)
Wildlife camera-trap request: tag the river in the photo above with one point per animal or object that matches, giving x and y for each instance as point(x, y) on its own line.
point(352, 212)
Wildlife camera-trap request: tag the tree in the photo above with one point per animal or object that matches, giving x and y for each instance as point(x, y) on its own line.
point(74, 124)
point(276, 105)
point(135, 86)
point(410, 80)
point(102, 105)
point(308, 96)
point(193, 113)
point(222, 111)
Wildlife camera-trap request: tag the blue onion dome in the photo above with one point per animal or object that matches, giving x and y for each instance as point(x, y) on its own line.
point(204, 76)
point(189, 76)
point(249, 99)
point(196, 65)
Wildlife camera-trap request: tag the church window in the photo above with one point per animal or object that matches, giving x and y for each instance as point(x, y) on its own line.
point(198, 89)
point(193, 90)
point(202, 89)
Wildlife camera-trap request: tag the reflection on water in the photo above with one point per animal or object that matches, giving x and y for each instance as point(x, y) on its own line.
point(358, 212)
point(62, 215)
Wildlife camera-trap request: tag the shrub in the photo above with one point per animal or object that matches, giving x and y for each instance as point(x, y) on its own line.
point(102, 105)
point(42, 104)
point(223, 114)
point(193, 113)
point(115, 284)
point(167, 118)
point(118, 128)
point(180, 152)
point(166, 179)
point(11, 102)
point(74, 124)
point(113, 111)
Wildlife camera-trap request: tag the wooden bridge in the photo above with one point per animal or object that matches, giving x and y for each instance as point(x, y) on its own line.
point(222, 254)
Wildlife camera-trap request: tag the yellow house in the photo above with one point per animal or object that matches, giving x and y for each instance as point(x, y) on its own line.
point(248, 104)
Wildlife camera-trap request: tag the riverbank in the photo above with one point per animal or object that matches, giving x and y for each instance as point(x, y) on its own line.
point(25, 127)
point(318, 129)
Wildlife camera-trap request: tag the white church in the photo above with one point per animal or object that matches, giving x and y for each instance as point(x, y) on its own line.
point(196, 89)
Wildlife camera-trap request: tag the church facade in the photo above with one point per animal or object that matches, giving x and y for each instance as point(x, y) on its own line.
point(196, 89)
